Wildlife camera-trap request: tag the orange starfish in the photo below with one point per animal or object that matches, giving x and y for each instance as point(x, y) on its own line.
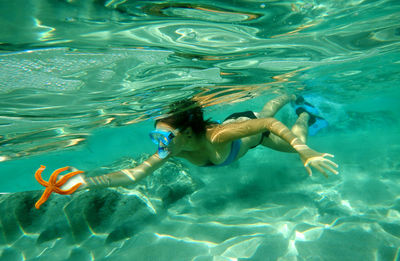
point(53, 184)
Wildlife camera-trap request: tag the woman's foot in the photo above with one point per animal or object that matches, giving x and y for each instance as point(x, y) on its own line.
point(315, 122)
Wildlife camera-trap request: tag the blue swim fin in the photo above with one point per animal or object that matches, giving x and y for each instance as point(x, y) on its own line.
point(315, 123)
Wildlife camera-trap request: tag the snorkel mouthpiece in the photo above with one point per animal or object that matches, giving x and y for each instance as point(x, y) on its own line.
point(163, 152)
point(163, 139)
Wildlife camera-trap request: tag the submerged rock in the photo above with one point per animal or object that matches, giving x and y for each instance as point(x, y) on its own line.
point(88, 218)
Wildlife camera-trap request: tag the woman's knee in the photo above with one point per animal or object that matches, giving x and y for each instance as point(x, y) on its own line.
point(276, 143)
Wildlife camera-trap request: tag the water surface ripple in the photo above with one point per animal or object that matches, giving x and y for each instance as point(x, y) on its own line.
point(70, 67)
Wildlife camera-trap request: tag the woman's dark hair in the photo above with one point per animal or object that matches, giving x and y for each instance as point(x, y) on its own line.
point(184, 114)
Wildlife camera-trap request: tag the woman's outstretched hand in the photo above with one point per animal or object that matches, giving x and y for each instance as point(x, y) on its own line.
point(312, 158)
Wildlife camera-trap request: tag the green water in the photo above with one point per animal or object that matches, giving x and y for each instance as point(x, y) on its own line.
point(82, 81)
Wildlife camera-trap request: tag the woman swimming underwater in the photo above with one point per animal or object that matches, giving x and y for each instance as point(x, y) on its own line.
point(185, 133)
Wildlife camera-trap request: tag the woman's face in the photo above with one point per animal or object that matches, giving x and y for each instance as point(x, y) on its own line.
point(176, 143)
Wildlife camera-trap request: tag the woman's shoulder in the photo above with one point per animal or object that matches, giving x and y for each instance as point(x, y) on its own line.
point(212, 127)
point(212, 131)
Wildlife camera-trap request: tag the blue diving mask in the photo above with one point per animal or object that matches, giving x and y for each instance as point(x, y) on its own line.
point(163, 140)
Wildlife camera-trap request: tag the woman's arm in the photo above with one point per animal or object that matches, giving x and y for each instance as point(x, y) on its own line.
point(309, 157)
point(119, 178)
point(237, 130)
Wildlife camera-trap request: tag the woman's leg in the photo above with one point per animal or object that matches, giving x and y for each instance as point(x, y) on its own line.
point(300, 128)
point(274, 105)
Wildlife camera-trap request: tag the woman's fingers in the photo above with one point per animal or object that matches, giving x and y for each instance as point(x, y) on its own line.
point(73, 169)
point(326, 166)
point(309, 170)
point(322, 164)
point(318, 167)
point(332, 163)
point(328, 155)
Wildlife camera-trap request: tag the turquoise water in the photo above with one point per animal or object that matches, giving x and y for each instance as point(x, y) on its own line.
point(82, 81)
